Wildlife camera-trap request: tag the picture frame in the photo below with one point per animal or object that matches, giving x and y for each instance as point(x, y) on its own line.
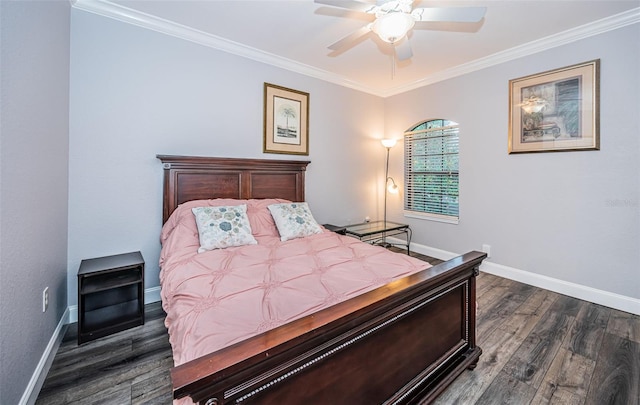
point(557, 110)
point(286, 120)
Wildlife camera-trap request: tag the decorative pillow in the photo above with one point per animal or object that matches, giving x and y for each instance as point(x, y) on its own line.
point(294, 220)
point(222, 227)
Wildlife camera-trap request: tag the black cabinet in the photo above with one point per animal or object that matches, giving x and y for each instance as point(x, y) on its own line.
point(110, 295)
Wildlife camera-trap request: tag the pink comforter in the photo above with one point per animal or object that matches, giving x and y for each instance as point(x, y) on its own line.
point(220, 297)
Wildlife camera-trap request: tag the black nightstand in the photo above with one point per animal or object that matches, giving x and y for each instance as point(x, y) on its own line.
point(110, 295)
point(342, 230)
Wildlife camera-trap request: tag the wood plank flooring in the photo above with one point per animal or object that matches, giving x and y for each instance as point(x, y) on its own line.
point(130, 367)
point(539, 347)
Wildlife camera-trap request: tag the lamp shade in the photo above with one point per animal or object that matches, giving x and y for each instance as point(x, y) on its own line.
point(388, 143)
point(393, 26)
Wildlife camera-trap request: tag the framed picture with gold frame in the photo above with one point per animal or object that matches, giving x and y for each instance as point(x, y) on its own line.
point(557, 110)
point(286, 120)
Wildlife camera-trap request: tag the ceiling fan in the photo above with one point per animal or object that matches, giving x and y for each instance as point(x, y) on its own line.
point(395, 18)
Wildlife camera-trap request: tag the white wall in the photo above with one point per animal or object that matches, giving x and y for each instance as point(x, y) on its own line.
point(572, 216)
point(33, 185)
point(136, 93)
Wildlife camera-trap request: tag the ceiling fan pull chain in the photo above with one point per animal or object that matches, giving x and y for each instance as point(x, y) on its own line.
point(393, 62)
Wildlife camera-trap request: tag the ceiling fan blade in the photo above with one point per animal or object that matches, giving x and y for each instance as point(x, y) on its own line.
point(403, 49)
point(350, 5)
point(350, 38)
point(452, 14)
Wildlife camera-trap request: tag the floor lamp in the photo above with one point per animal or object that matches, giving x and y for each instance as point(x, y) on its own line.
point(388, 188)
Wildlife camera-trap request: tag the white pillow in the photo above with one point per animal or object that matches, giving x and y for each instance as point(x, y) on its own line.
point(294, 220)
point(222, 227)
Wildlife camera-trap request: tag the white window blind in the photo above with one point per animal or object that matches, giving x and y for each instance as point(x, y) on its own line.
point(431, 170)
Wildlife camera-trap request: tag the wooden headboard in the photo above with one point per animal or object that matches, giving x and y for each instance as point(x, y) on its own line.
point(189, 178)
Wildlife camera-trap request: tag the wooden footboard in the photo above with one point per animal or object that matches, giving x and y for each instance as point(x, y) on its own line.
point(402, 343)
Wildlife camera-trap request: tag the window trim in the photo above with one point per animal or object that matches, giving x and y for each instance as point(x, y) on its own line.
point(431, 216)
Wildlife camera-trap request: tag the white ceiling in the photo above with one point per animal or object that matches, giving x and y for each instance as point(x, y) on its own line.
point(295, 34)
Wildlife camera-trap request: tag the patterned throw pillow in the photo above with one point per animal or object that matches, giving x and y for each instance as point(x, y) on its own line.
point(294, 220)
point(222, 227)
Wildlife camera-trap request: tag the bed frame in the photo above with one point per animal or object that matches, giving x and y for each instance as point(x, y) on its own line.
point(402, 343)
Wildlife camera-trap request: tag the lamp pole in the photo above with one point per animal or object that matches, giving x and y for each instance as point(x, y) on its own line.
point(387, 143)
point(386, 181)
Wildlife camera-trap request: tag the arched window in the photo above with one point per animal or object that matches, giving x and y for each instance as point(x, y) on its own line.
point(431, 171)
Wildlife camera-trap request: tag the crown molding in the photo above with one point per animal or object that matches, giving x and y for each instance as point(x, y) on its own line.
point(130, 16)
point(611, 23)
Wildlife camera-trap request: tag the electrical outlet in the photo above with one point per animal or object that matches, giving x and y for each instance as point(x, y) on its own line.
point(45, 299)
point(487, 250)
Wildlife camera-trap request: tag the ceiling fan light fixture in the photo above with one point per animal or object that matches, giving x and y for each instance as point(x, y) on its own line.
point(393, 27)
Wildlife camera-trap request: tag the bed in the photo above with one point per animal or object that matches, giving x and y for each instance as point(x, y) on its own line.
point(402, 339)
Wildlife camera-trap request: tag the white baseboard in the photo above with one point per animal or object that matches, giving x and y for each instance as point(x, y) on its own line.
point(70, 315)
point(37, 379)
point(601, 297)
point(150, 295)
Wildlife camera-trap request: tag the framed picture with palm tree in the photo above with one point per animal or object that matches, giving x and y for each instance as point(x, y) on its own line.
point(286, 120)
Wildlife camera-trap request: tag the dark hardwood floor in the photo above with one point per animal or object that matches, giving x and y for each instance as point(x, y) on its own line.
point(539, 347)
point(130, 367)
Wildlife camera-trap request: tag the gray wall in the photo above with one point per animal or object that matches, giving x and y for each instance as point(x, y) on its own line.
point(136, 93)
point(572, 216)
point(33, 184)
